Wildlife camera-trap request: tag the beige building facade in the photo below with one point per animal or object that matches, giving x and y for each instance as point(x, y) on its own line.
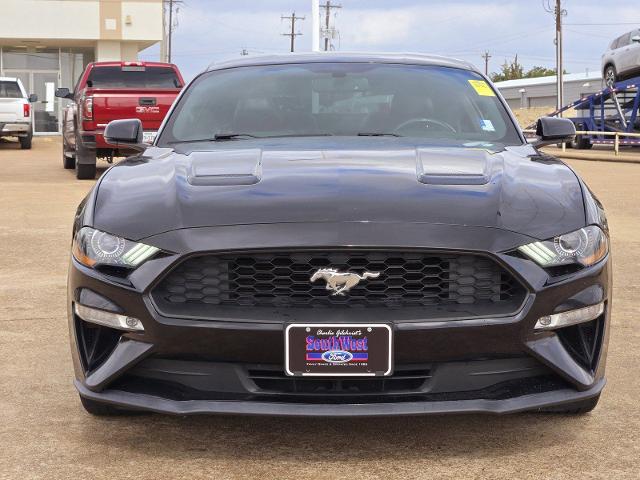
point(47, 43)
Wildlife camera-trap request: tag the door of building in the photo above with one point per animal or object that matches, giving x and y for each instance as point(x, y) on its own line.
point(46, 110)
point(45, 114)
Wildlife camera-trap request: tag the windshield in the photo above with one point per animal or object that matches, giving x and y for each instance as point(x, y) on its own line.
point(133, 77)
point(350, 99)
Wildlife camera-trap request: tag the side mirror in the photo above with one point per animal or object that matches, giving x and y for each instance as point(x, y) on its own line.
point(33, 98)
point(126, 133)
point(554, 130)
point(635, 39)
point(64, 92)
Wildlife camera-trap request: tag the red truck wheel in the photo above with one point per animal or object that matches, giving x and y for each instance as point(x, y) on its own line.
point(85, 161)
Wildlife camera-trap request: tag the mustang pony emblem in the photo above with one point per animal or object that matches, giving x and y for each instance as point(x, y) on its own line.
point(341, 282)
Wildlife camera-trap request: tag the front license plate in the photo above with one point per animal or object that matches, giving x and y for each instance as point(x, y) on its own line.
point(338, 350)
point(149, 137)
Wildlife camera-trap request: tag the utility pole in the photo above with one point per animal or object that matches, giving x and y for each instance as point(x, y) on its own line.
point(328, 31)
point(170, 31)
point(486, 57)
point(560, 67)
point(315, 25)
point(167, 29)
point(293, 33)
point(558, 12)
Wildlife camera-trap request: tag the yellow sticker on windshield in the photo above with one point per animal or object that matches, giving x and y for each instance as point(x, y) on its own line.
point(482, 88)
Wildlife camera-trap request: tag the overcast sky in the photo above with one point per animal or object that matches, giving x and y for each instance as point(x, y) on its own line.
point(213, 30)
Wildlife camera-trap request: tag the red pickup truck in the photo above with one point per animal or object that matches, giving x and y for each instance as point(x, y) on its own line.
point(110, 91)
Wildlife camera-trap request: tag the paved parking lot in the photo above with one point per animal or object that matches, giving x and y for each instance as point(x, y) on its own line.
point(44, 433)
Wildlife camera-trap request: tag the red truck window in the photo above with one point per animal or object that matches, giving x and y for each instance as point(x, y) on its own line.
point(139, 77)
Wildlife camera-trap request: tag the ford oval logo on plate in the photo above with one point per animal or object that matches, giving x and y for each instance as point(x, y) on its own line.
point(337, 356)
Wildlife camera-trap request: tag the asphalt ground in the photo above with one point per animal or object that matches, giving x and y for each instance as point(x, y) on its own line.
point(45, 433)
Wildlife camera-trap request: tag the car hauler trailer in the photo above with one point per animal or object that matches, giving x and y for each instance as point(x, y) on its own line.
point(605, 113)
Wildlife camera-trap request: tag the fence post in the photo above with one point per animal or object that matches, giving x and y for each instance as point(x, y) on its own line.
point(616, 144)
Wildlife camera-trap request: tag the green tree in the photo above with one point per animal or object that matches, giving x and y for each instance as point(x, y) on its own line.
point(514, 70)
point(536, 72)
point(509, 71)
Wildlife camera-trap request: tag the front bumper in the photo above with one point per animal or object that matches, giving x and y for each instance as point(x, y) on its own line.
point(522, 403)
point(492, 365)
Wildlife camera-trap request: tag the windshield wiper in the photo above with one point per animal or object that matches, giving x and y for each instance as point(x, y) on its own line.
point(378, 134)
point(285, 135)
point(231, 136)
point(217, 137)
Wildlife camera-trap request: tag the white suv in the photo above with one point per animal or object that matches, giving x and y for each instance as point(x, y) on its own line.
point(622, 60)
point(16, 111)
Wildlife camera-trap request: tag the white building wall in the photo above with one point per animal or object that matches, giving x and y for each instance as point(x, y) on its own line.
point(541, 92)
point(129, 51)
point(38, 19)
point(145, 19)
point(62, 36)
point(83, 23)
point(108, 50)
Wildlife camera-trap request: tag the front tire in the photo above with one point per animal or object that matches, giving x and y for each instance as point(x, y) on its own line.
point(68, 160)
point(575, 408)
point(583, 143)
point(85, 161)
point(610, 76)
point(25, 142)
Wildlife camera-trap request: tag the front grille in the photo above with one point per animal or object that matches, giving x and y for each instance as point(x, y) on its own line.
point(277, 279)
point(404, 379)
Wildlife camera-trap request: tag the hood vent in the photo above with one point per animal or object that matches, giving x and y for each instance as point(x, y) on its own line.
point(450, 166)
point(226, 167)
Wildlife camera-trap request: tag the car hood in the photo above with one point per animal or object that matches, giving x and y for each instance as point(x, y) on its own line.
point(240, 183)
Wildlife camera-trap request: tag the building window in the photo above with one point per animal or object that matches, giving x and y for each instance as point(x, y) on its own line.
point(30, 59)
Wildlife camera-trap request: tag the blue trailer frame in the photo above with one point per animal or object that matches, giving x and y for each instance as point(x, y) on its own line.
point(621, 116)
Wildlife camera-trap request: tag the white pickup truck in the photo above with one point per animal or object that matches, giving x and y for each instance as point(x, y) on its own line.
point(16, 111)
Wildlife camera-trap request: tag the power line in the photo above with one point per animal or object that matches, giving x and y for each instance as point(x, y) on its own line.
point(508, 38)
point(328, 32)
point(293, 33)
point(601, 24)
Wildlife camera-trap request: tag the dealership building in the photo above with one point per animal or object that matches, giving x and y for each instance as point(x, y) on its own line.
point(47, 43)
point(541, 92)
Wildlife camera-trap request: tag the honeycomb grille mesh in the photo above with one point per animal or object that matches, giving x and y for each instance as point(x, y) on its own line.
point(283, 280)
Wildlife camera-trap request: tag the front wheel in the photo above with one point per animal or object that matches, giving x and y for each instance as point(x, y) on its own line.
point(610, 76)
point(68, 160)
point(583, 143)
point(85, 161)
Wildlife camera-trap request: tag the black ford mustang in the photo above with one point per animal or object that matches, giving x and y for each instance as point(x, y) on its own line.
point(340, 235)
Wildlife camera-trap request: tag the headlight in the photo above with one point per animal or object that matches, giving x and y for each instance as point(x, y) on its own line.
point(585, 247)
point(92, 247)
